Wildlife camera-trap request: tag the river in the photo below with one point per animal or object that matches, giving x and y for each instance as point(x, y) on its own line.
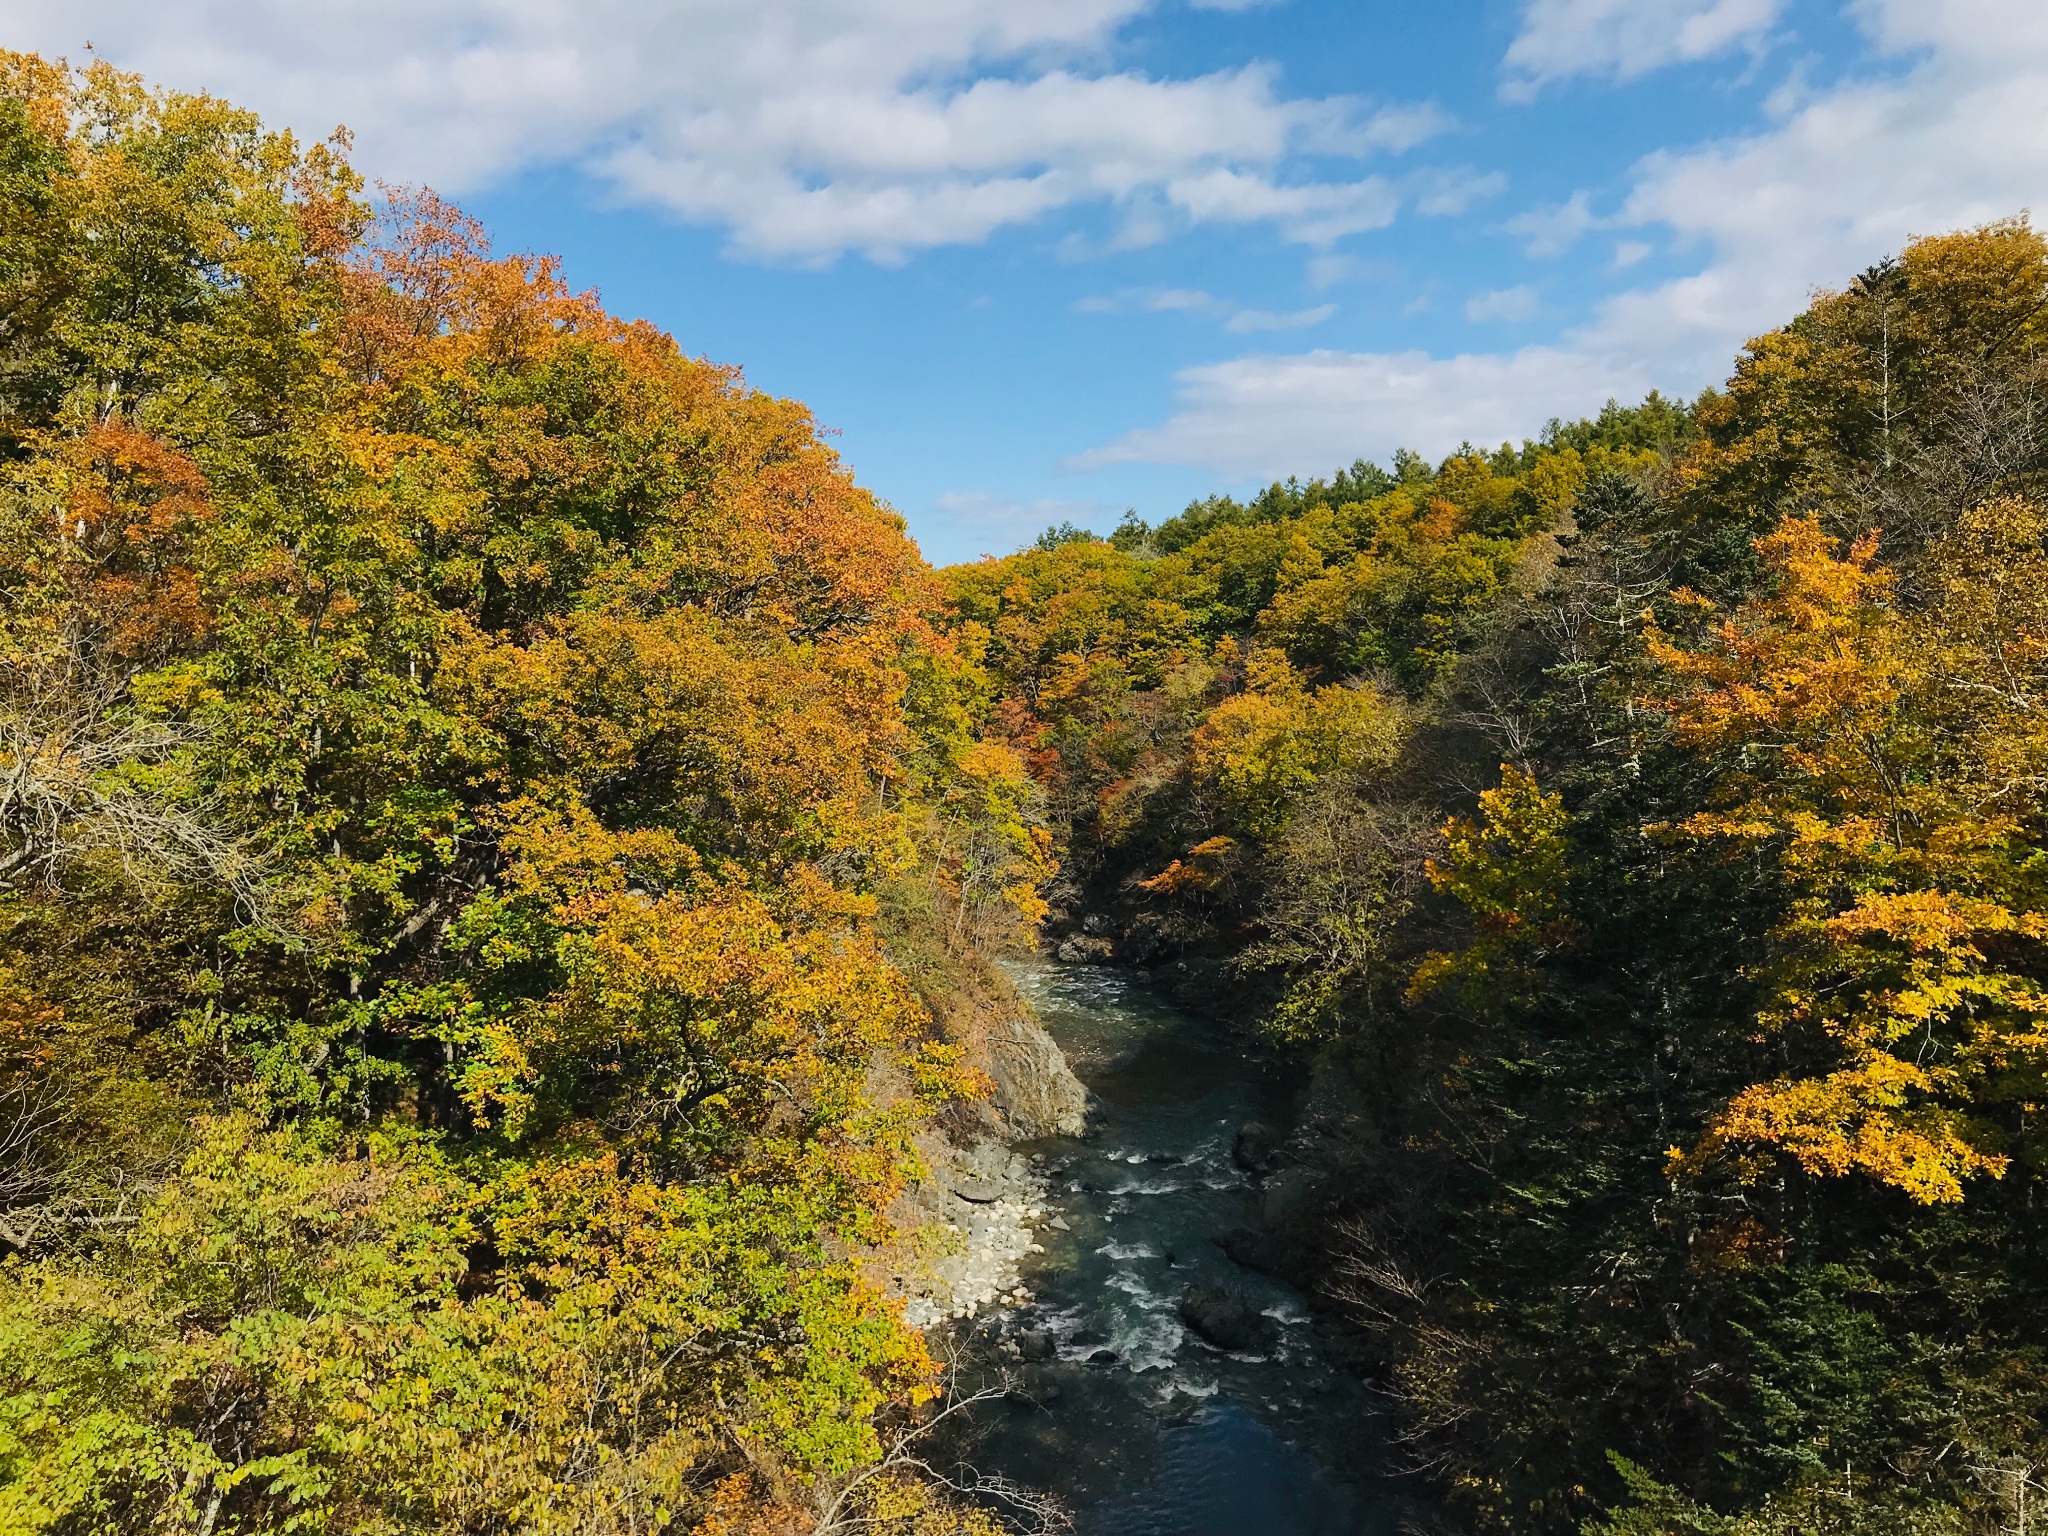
point(1141, 1427)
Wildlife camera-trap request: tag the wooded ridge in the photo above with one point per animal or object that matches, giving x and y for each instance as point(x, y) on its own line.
point(1643, 831)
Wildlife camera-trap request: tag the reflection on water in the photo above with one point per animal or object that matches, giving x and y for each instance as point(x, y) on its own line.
point(1141, 1426)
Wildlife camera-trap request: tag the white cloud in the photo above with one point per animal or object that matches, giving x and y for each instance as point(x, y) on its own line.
point(1249, 320)
point(1622, 39)
point(1237, 318)
point(1150, 300)
point(1316, 214)
point(1400, 129)
point(1550, 232)
point(1509, 306)
point(1325, 272)
point(1445, 194)
point(805, 127)
point(1847, 177)
point(986, 523)
point(1261, 416)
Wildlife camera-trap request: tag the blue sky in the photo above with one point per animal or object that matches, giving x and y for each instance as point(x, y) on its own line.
point(1038, 260)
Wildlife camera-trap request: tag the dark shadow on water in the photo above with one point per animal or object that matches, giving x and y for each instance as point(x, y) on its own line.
point(1227, 1474)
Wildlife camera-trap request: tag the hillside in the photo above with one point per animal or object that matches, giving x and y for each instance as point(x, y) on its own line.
point(456, 746)
point(1641, 832)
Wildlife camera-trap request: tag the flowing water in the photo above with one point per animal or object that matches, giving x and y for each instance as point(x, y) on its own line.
point(1142, 1427)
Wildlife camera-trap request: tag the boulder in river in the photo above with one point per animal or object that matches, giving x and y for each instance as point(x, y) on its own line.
point(1226, 1319)
point(1147, 942)
point(1036, 1388)
point(1255, 1251)
point(1291, 1195)
point(1085, 949)
point(1257, 1148)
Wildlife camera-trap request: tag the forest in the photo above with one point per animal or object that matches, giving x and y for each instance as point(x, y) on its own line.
point(1643, 832)
point(456, 749)
point(506, 850)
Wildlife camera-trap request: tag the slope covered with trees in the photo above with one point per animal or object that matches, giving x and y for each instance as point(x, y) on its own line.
point(1644, 831)
point(495, 828)
point(457, 757)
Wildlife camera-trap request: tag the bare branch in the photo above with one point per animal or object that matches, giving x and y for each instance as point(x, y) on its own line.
point(84, 772)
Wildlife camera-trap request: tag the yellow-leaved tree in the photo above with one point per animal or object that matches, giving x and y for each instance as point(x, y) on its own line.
point(1881, 752)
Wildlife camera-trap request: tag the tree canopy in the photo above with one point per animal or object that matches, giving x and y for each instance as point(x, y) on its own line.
point(1641, 831)
point(454, 749)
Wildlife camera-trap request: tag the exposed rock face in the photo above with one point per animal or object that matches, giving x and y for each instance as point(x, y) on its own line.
point(1291, 1198)
point(1085, 949)
point(1146, 942)
point(1035, 1088)
point(967, 1227)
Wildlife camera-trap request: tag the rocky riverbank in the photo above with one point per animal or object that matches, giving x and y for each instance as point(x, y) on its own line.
point(1159, 1386)
point(971, 1221)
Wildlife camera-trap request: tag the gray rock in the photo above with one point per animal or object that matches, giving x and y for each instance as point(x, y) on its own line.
point(976, 1192)
point(1254, 1250)
point(1084, 949)
point(1035, 1389)
point(1290, 1195)
point(1145, 943)
point(1035, 1088)
point(1257, 1148)
point(1226, 1319)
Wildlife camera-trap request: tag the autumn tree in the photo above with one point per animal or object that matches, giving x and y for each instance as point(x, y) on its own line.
point(455, 748)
